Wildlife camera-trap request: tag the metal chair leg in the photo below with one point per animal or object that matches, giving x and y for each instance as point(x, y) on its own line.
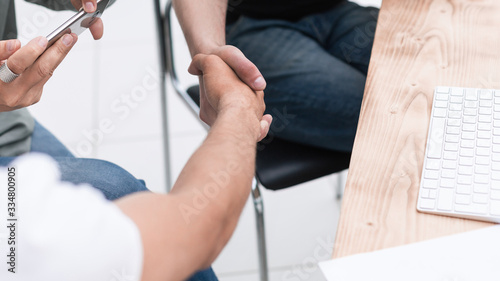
point(261, 234)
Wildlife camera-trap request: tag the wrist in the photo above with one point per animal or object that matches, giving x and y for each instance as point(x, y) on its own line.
point(206, 48)
point(244, 120)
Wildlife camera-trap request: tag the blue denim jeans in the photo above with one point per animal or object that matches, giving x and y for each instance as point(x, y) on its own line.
point(109, 178)
point(315, 70)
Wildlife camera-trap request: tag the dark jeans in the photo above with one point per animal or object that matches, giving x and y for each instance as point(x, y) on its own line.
point(315, 70)
point(109, 178)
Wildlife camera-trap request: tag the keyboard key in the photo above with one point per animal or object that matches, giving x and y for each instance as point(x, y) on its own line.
point(436, 140)
point(465, 143)
point(485, 95)
point(433, 175)
point(470, 111)
point(456, 99)
point(484, 118)
point(496, 131)
point(496, 139)
point(448, 174)
point(432, 184)
point(440, 104)
point(447, 183)
point(468, 119)
point(451, 138)
point(496, 115)
point(432, 164)
point(427, 204)
point(453, 130)
point(496, 148)
point(495, 207)
point(464, 188)
point(484, 126)
point(482, 170)
point(468, 135)
point(483, 143)
point(495, 166)
point(480, 198)
point(485, 103)
point(451, 146)
point(495, 176)
point(471, 104)
point(432, 194)
point(472, 208)
point(481, 188)
point(445, 199)
point(495, 184)
point(467, 152)
point(495, 194)
point(455, 107)
point(439, 112)
point(454, 122)
point(496, 123)
point(444, 90)
point(466, 161)
point(455, 114)
point(481, 179)
point(482, 160)
point(424, 193)
point(485, 111)
point(470, 94)
point(484, 135)
point(496, 107)
point(462, 199)
point(469, 127)
point(447, 164)
point(441, 97)
point(465, 170)
point(463, 179)
point(481, 151)
point(448, 155)
point(495, 157)
point(497, 93)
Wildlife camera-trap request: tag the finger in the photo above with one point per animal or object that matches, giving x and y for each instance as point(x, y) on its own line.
point(265, 124)
point(196, 64)
point(89, 5)
point(27, 55)
point(8, 47)
point(97, 29)
point(44, 67)
point(244, 68)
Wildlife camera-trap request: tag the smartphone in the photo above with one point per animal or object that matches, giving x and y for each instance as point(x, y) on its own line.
point(78, 23)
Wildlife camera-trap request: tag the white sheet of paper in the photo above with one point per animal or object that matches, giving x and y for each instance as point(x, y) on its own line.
point(469, 256)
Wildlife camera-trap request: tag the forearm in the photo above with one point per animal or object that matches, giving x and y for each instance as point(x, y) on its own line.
point(203, 23)
point(185, 230)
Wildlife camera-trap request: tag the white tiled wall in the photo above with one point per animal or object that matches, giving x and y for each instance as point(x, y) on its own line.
point(115, 80)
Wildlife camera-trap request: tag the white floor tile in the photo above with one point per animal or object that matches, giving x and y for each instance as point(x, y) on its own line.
point(143, 159)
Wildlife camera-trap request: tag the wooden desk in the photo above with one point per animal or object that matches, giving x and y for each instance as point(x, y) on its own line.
point(419, 44)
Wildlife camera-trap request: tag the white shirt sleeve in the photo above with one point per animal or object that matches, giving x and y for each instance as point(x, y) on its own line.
point(63, 232)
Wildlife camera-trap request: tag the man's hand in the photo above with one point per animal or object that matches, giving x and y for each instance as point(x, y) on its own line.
point(243, 67)
point(97, 28)
point(34, 67)
point(223, 91)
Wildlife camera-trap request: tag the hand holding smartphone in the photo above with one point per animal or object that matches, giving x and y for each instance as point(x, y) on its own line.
point(78, 23)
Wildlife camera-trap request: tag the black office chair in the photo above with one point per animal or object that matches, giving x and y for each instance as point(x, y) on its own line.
point(280, 163)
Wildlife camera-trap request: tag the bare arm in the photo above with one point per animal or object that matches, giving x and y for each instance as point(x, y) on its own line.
point(203, 23)
point(184, 231)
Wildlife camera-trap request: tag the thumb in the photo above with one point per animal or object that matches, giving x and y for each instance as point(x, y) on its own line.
point(243, 67)
point(8, 47)
point(265, 125)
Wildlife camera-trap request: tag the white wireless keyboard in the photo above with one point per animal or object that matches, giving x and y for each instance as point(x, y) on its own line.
point(461, 172)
